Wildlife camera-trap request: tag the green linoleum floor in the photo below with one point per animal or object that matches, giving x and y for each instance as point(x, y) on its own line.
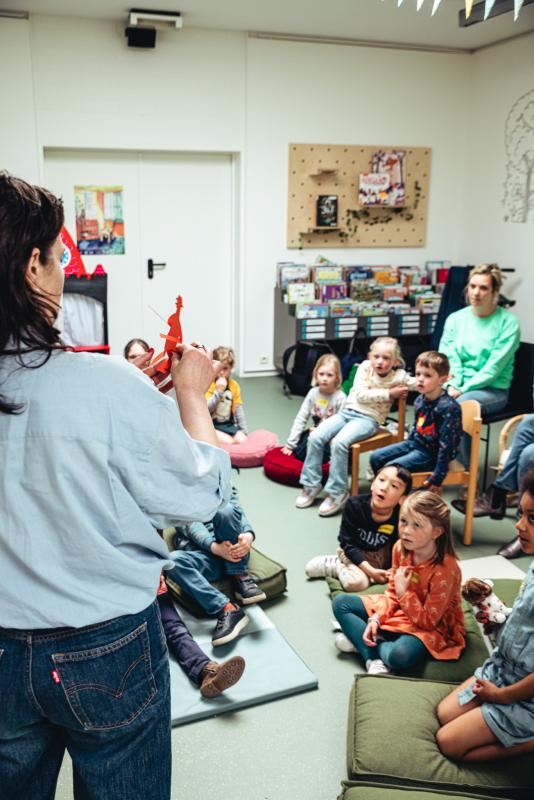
point(295, 747)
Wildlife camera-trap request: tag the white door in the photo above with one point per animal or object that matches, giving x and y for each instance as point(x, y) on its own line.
point(178, 210)
point(186, 224)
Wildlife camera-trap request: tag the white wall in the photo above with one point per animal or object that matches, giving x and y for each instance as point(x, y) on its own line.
point(502, 74)
point(18, 134)
point(75, 84)
point(344, 95)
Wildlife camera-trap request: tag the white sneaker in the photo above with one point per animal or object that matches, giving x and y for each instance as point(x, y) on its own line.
point(375, 666)
point(307, 496)
point(332, 504)
point(322, 567)
point(335, 625)
point(344, 644)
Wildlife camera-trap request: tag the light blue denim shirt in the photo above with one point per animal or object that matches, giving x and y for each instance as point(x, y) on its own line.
point(97, 460)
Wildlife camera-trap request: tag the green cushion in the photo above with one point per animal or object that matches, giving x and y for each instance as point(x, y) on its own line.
point(507, 589)
point(368, 791)
point(268, 574)
point(391, 739)
point(474, 654)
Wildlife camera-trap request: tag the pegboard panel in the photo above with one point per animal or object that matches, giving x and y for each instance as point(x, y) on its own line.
point(328, 169)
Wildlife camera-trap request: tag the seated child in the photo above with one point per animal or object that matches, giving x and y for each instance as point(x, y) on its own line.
point(206, 552)
point(224, 401)
point(367, 534)
point(211, 677)
point(437, 430)
point(420, 615)
point(379, 381)
point(491, 715)
point(324, 399)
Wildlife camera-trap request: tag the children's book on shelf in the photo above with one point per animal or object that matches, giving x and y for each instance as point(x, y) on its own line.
point(328, 274)
point(331, 291)
point(327, 211)
point(374, 189)
point(300, 292)
point(315, 310)
point(288, 272)
point(344, 308)
point(438, 270)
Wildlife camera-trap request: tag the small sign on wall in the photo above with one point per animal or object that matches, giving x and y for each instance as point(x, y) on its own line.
point(99, 220)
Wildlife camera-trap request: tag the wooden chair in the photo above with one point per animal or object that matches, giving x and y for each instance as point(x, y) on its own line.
point(471, 423)
point(381, 439)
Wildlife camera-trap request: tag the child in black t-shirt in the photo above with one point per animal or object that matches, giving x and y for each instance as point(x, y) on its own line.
point(368, 531)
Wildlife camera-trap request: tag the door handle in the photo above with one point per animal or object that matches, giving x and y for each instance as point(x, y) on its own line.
point(152, 266)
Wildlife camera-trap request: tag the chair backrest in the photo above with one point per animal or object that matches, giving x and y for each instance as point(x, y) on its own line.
point(521, 387)
point(471, 418)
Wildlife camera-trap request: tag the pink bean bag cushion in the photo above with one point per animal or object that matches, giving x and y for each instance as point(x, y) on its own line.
point(253, 450)
point(285, 469)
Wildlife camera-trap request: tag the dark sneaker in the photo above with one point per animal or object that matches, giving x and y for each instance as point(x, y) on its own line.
point(229, 626)
point(215, 678)
point(247, 591)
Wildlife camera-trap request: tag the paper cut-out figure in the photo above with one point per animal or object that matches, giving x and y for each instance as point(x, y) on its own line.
point(162, 361)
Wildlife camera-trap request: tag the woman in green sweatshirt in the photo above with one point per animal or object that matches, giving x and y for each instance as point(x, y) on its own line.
point(480, 341)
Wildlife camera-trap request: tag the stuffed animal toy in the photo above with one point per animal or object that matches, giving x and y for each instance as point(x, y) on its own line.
point(486, 605)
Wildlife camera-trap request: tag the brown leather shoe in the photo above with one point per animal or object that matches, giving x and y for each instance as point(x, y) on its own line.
point(511, 550)
point(215, 678)
point(492, 503)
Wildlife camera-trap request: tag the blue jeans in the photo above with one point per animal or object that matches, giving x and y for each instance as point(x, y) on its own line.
point(196, 569)
point(341, 430)
point(520, 458)
point(102, 693)
point(179, 640)
point(406, 454)
point(397, 650)
point(491, 401)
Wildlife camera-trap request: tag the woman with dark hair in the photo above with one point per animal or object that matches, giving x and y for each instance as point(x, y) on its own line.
point(135, 348)
point(93, 459)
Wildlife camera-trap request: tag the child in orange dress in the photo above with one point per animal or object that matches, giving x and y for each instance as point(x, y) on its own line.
point(420, 615)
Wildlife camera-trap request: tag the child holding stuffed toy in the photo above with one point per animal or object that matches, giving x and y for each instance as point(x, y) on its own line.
point(491, 715)
point(420, 615)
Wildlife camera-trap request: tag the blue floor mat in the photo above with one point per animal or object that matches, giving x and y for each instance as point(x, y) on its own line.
point(273, 670)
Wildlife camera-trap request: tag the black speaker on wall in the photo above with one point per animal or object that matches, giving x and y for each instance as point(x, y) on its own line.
point(141, 37)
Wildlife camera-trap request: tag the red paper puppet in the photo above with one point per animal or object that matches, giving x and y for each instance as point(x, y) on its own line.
point(162, 361)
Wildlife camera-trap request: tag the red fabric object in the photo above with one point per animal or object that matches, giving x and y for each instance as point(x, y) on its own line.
point(285, 469)
point(252, 452)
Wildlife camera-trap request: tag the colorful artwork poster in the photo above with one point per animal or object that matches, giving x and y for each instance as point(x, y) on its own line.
point(99, 220)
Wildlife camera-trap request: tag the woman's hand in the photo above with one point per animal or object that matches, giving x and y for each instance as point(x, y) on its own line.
point(453, 392)
point(403, 576)
point(192, 369)
point(371, 631)
point(431, 487)
point(287, 451)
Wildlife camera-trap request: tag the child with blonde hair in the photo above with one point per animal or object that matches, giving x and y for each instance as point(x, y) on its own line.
point(224, 400)
point(379, 381)
point(420, 615)
point(324, 399)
